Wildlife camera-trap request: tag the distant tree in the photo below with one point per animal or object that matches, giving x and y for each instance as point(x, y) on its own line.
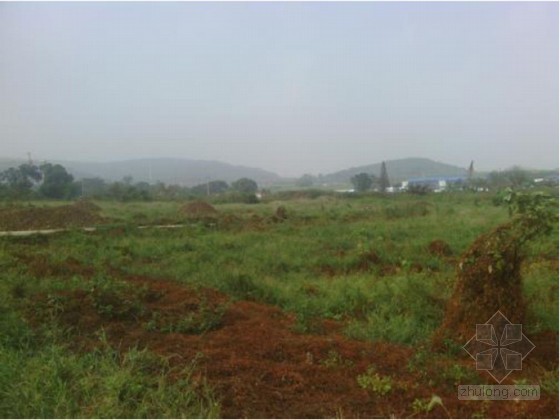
point(174, 191)
point(362, 181)
point(57, 183)
point(116, 191)
point(159, 190)
point(31, 172)
point(212, 187)
point(245, 185)
point(93, 187)
point(20, 180)
point(305, 180)
point(384, 182)
point(218, 187)
point(514, 177)
point(517, 176)
point(143, 186)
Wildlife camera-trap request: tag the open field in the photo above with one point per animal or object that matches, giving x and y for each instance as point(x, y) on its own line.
point(326, 308)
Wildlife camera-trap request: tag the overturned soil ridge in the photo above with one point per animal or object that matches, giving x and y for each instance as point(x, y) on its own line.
point(488, 280)
point(79, 214)
point(252, 357)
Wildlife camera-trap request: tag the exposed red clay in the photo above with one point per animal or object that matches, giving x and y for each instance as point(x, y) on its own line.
point(259, 367)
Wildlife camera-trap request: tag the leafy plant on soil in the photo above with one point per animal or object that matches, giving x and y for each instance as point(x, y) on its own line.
point(372, 381)
point(457, 374)
point(335, 359)
point(420, 406)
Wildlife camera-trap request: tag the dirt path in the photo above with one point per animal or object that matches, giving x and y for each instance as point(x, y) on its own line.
point(85, 229)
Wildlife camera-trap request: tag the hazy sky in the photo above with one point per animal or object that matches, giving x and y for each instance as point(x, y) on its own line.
point(288, 87)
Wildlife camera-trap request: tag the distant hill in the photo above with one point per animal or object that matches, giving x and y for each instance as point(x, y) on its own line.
point(399, 170)
point(185, 172)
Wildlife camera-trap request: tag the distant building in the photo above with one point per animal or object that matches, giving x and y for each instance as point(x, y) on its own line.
point(436, 184)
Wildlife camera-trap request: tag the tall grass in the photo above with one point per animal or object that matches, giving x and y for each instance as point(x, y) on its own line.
point(51, 382)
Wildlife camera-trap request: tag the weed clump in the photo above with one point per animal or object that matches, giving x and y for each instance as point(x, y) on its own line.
point(375, 383)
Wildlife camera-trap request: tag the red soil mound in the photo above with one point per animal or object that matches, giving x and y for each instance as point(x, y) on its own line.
point(198, 209)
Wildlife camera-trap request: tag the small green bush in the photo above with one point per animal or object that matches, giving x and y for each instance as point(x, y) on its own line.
point(373, 382)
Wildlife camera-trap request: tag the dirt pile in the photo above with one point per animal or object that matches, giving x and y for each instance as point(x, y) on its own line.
point(199, 210)
point(79, 214)
point(488, 280)
point(440, 248)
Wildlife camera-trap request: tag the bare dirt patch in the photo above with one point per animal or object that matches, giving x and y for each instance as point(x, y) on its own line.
point(440, 248)
point(260, 367)
point(79, 214)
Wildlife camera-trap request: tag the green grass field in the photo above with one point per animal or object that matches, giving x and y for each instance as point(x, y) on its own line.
point(362, 262)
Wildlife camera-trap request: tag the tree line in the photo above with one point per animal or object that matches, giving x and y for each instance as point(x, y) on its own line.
point(515, 177)
point(48, 181)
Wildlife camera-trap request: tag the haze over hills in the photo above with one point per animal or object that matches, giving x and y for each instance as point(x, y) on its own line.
point(290, 87)
point(189, 172)
point(400, 170)
point(184, 172)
